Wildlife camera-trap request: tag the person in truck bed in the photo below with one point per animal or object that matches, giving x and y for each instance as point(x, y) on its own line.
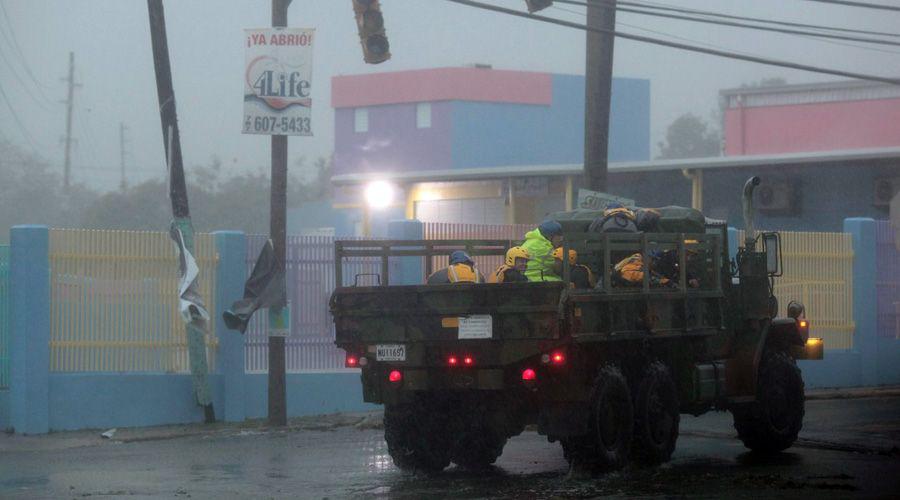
point(513, 269)
point(539, 243)
point(580, 275)
point(461, 270)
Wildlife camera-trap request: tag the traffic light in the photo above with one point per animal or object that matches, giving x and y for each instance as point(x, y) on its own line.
point(536, 5)
point(370, 23)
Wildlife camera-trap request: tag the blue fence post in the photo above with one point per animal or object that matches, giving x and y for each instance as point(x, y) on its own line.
point(865, 301)
point(406, 270)
point(29, 322)
point(231, 272)
point(733, 242)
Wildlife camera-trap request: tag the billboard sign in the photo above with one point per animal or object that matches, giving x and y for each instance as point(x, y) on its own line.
point(594, 200)
point(278, 81)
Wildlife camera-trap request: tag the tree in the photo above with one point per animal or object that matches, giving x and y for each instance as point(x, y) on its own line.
point(689, 136)
point(31, 194)
point(239, 202)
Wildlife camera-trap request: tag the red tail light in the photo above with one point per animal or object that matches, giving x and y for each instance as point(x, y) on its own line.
point(528, 375)
point(395, 376)
point(452, 361)
point(468, 361)
point(351, 361)
point(558, 358)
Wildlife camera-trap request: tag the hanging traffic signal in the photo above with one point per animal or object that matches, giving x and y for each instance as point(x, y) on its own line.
point(536, 5)
point(370, 23)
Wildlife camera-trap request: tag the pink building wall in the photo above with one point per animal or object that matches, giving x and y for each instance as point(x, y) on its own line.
point(812, 127)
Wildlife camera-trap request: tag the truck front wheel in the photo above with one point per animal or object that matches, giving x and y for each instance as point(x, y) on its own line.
point(656, 416)
point(609, 442)
point(772, 423)
point(416, 436)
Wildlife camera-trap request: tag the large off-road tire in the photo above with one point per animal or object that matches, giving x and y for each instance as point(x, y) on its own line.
point(772, 423)
point(417, 436)
point(607, 445)
point(481, 432)
point(656, 416)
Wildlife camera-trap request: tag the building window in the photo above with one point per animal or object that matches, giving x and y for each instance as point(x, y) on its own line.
point(423, 115)
point(361, 120)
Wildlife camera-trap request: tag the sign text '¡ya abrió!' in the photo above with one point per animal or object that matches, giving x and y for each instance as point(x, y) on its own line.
point(301, 40)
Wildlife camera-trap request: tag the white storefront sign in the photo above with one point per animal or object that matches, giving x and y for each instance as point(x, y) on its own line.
point(278, 81)
point(595, 200)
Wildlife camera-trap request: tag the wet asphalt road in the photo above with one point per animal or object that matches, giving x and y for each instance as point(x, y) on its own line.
point(845, 450)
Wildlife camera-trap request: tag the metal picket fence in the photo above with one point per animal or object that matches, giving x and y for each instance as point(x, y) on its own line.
point(818, 271)
point(888, 283)
point(4, 316)
point(114, 301)
point(310, 282)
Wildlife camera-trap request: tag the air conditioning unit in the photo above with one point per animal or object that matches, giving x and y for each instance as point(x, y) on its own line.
point(885, 189)
point(775, 196)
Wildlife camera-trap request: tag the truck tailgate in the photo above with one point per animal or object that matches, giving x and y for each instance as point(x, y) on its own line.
point(423, 313)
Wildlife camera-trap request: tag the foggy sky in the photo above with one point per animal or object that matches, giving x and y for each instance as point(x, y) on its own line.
point(114, 65)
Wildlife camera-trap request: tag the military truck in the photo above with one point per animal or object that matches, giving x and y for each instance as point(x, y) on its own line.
point(607, 371)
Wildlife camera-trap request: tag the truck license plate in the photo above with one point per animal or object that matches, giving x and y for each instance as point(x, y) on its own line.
point(390, 352)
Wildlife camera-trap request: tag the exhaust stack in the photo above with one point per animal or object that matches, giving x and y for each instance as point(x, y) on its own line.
point(747, 202)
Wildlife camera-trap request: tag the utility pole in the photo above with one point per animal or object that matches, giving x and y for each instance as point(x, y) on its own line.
point(277, 230)
point(598, 91)
point(68, 159)
point(178, 190)
point(123, 184)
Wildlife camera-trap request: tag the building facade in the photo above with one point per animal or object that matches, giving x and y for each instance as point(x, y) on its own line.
point(435, 126)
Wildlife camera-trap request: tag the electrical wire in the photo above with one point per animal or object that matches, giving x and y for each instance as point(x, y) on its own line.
point(670, 35)
point(654, 5)
point(682, 46)
point(604, 5)
point(833, 42)
point(859, 4)
point(664, 7)
point(25, 86)
point(14, 43)
point(15, 116)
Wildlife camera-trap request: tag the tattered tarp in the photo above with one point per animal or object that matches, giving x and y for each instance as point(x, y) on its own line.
point(191, 306)
point(264, 288)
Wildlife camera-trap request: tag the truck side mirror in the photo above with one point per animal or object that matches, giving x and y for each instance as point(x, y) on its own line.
point(772, 247)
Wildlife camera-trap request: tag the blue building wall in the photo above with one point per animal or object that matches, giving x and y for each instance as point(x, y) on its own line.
point(498, 134)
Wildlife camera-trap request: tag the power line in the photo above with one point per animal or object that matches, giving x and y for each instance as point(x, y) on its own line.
point(858, 4)
point(682, 46)
point(834, 42)
point(657, 6)
point(15, 116)
point(605, 5)
point(25, 86)
point(14, 43)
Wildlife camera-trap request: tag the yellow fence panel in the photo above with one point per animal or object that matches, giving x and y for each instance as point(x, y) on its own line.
point(114, 301)
point(818, 272)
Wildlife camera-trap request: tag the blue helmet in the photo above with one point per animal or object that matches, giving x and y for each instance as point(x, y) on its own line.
point(460, 257)
point(550, 228)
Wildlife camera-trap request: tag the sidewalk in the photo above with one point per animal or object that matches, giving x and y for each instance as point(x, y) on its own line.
point(366, 420)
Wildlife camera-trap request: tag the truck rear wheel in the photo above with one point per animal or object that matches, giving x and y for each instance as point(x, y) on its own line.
point(417, 436)
point(772, 423)
point(656, 416)
point(480, 432)
point(609, 442)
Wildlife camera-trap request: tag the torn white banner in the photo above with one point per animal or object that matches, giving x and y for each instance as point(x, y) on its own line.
point(190, 302)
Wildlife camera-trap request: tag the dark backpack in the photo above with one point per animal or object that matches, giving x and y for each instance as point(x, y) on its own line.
point(617, 221)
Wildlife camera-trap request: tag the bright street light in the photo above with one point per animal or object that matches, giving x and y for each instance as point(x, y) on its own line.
point(379, 194)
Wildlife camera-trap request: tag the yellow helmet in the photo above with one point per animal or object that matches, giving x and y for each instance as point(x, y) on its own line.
point(573, 255)
point(516, 253)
